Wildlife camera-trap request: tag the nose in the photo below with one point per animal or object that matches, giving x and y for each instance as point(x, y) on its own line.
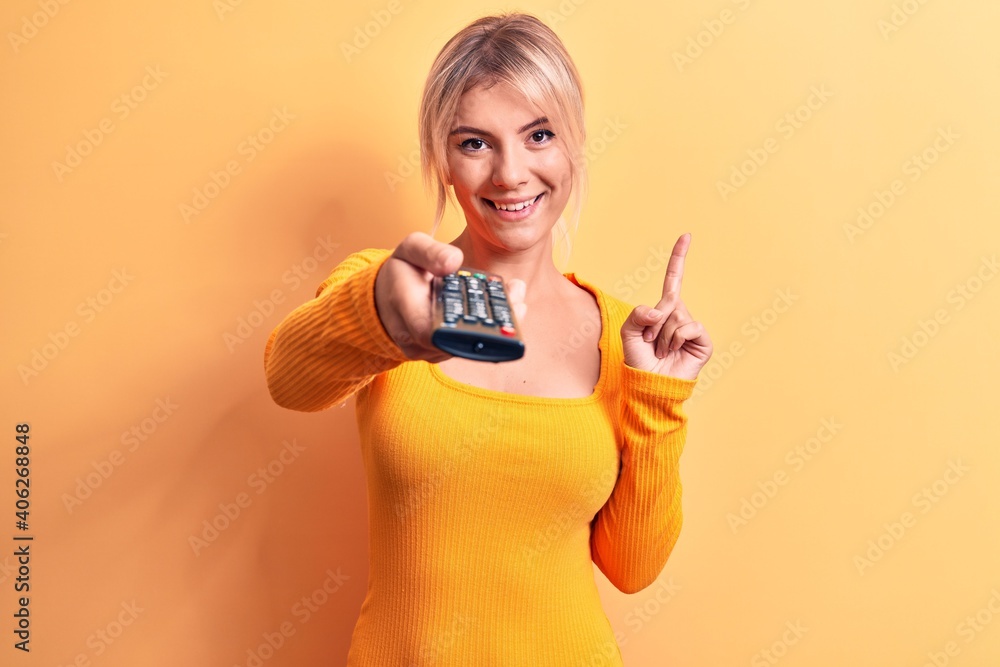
point(510, 168)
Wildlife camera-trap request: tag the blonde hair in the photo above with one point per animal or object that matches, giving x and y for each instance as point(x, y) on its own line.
point(519, 50)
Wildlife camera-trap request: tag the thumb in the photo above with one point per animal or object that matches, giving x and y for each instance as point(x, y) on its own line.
point(640, 318)
point(446, 259)
point(429, 254)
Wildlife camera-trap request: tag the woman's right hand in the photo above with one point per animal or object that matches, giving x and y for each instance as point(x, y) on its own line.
point(403, 293)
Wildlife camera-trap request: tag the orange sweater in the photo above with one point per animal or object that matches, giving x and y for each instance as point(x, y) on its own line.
point(487, 508)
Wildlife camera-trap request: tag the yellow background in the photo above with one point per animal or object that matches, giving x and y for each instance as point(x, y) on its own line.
point(896, 77)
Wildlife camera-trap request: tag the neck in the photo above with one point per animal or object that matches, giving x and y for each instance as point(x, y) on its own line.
point(533, 265)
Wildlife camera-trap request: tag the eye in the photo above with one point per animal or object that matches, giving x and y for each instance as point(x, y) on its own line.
point(542, 136)
point(473, 144)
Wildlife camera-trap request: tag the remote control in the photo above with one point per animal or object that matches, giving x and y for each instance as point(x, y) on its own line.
point(472, 318)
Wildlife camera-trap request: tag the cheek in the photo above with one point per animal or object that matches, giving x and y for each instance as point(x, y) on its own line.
point(556, 167)
point(467, 175)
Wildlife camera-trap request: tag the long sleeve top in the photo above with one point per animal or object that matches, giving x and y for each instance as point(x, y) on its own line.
point(487, 509)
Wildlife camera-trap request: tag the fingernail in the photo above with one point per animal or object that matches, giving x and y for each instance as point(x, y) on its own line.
point(647, 336)
point(653, 312)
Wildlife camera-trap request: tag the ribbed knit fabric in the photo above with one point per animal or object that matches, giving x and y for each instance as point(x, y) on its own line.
point(487, 509)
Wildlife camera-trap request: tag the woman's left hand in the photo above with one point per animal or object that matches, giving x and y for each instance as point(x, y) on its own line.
point(666, 339)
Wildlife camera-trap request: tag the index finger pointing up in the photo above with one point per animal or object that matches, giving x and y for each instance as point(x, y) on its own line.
point(675, 268)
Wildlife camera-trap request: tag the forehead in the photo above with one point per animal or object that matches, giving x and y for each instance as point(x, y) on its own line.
point(499, 107)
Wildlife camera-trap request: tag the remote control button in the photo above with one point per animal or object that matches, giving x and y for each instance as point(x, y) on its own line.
point(463, 272)
point(508, 330)
point(481, 276)
point(471, 319)
point(453, 306)
point(479, 346)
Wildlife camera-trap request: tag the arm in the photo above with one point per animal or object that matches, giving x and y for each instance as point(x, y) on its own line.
point(633, 534)
point(664, 349)
point(333, 345)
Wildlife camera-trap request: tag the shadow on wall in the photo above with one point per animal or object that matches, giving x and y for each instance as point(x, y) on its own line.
point(238, 527)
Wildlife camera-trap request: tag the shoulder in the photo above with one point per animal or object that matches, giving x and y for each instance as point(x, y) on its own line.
point(615, 310)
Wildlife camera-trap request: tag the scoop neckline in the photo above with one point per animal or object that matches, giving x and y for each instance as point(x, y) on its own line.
point(597, 393)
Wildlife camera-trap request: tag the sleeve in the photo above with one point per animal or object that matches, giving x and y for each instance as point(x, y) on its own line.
point(333, 345)
point(634, 532)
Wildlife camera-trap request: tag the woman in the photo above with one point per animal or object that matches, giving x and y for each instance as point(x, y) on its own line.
point(494, 488)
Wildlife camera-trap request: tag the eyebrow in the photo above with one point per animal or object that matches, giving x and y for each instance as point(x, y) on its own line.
point(465, 129)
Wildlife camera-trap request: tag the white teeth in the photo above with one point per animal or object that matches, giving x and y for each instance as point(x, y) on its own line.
point(516, 207)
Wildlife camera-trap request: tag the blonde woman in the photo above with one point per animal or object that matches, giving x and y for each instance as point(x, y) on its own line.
point(493, 489)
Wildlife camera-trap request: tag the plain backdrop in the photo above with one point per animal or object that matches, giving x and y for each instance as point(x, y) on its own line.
point(177, 177)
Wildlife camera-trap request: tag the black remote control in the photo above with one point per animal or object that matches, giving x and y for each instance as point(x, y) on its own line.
point(472, 317)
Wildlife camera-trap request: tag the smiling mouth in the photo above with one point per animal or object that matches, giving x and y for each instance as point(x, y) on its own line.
point(521, 205)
